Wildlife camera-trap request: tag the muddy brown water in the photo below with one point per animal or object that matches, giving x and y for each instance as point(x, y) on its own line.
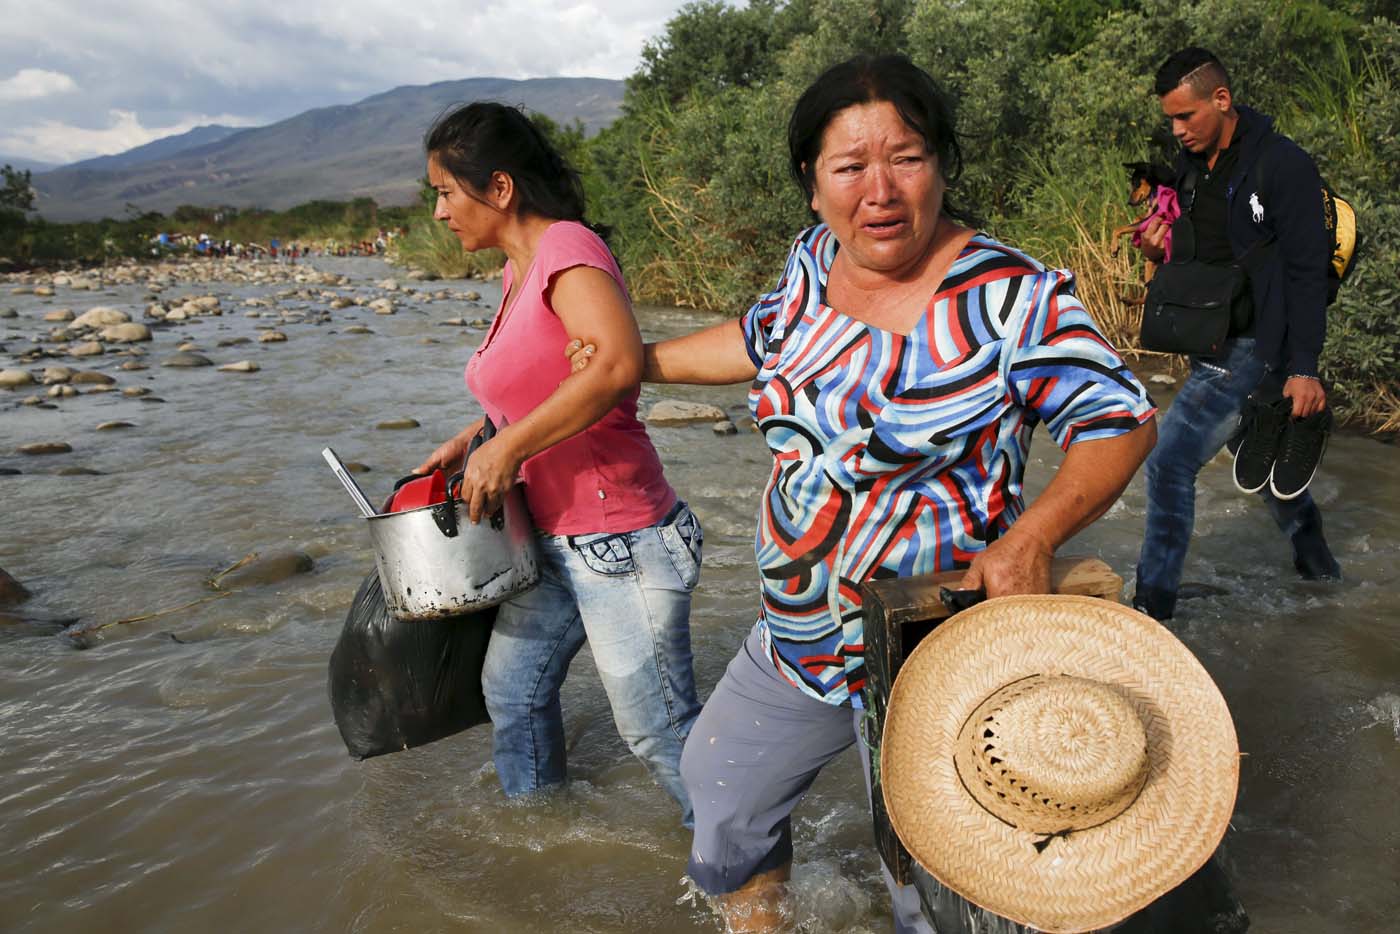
point(184, 773)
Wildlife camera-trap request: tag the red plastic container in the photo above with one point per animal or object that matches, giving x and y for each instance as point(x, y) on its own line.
point(415, 492)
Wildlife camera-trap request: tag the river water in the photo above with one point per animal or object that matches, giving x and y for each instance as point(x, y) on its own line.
point(183, 772)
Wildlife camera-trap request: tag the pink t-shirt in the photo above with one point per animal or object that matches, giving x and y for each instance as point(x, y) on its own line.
point(606, 478)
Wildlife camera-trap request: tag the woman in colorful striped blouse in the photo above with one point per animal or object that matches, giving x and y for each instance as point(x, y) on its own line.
point(897, 370)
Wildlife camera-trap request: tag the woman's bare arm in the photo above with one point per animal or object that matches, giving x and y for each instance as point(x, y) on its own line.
point(1093, 476)
point(715, 356)
point(589, 301)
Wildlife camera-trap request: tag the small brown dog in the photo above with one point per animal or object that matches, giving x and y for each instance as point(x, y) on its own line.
point(1151, 185)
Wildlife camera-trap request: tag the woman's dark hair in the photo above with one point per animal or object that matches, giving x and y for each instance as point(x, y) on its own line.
point(475, 140)
point(867, 79)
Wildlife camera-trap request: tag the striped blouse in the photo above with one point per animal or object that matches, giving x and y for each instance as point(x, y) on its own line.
point(898, 455)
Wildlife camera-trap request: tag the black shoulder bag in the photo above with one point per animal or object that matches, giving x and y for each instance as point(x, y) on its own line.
point(1192, 306)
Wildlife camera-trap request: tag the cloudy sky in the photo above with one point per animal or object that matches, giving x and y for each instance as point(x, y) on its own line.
point(80, 78)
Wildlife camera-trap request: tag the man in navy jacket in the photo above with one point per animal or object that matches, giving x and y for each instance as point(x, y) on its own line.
point(1275, 209)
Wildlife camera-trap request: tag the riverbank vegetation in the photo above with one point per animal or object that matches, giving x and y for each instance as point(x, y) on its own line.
point(1054, 96)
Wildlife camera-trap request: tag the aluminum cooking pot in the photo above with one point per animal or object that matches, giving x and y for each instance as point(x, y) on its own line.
point(434, 563)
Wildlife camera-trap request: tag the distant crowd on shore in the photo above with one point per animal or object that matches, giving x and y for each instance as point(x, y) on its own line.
point(274, 249)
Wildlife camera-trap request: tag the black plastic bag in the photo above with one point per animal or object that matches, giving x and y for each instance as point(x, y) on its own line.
point(395, 685)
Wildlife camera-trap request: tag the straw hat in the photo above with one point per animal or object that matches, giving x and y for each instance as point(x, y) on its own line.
point(1061, 761)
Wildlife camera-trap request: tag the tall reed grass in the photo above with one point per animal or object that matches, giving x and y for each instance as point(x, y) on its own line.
point(1067, 222)
point(431, 247)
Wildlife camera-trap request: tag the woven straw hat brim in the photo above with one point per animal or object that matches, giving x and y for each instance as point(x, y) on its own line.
point(1092, 878)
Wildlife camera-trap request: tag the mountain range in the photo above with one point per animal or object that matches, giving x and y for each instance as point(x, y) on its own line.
point(373, 148)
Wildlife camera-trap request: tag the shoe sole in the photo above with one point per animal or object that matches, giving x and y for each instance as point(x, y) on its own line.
point(1304, 488)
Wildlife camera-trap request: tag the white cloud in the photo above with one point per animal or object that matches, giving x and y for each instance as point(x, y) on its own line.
point(32, 83)
point(270, 59)
point(53, 141)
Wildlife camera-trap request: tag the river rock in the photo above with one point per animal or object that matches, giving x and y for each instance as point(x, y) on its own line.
point(126, 333)
point(271, 337)
point(80, 284)
point(242, 366)
point(57, 374)
point(396, 424)
point(114, 426)
point(43, 291)
point(13, 379)
point(382, 306)
point(62, 392)
point(132, 365)
point(176, 314)
point(340, 302)
point(46, 447)
point(356, 467)
point(670, 412)
point(86, 349)
point(207, 304)
point(8, 313)
point(77, 472)
point(185, 359)
point(188, 347)
point(59, 314)
point(388, 285)
point(12, 592)
point(1162, 379)
point(472, 296)
point(725, 427)
point(101, 317)
point(358, 329)
point(235, 341)
point(92, 378)
point(267, 570)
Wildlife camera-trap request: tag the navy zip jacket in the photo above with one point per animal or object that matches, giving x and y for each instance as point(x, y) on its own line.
point(1289, 280)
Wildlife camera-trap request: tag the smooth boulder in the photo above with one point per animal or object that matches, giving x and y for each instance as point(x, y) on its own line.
point(127, 333)
point(672, 412)
point(101, 317)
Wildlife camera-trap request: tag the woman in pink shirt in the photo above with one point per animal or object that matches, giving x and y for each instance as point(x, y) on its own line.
point(620, 552)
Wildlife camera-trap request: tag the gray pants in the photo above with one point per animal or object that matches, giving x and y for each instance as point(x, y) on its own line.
point(754, 751)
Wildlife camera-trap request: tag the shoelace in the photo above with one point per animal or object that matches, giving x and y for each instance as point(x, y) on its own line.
point(1261, 435)
point(1299, 439)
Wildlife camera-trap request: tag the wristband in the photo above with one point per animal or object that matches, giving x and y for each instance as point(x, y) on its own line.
point(1315, 379)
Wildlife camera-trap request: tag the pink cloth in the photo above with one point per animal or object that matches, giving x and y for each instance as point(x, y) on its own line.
point(608, 477)
point(1166, 206)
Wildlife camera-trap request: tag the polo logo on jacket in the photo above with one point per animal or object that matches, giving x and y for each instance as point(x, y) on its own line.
point(1256, 207)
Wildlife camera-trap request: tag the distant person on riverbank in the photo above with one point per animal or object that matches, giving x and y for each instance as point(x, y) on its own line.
point(1268, 366)
point(897, 372)
point(620, 552)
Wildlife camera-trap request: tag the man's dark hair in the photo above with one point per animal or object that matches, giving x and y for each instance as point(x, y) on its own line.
point(1194, 66)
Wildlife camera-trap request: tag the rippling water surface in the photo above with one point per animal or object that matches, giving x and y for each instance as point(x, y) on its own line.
point(182, 772)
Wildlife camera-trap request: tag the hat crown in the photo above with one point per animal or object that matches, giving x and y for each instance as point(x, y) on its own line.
point(1053, 753)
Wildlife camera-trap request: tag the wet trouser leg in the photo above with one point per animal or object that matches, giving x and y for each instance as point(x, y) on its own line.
point(1200, 420)
point(755, 750)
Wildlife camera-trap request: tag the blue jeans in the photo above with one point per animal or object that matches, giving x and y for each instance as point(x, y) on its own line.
point(628, 594)
point(1200, 420)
